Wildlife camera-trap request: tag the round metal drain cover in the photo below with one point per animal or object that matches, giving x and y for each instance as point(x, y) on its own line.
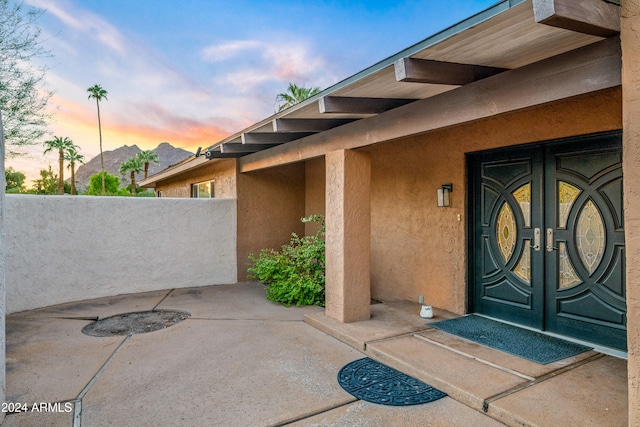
point(134, 323)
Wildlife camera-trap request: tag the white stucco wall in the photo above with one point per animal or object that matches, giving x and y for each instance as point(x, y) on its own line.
point(2, 270)
point(70, 248)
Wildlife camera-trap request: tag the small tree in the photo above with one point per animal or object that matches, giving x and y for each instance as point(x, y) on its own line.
point(296, 274)
point(23, 97)
point(132, 166)
point(112, 183)
point(145, 158)
point(63, 145)
point(73, 157)
point(14, 180)
point(47, 184)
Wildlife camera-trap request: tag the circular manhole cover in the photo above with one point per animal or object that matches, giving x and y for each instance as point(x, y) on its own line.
point(134, 323)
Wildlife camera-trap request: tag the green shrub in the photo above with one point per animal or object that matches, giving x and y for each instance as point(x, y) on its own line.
point(295, 274)
point(111, 184)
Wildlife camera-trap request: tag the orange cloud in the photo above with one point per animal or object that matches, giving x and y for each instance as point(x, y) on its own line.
point(80, 124)
point(154, 125)
point(188, 136)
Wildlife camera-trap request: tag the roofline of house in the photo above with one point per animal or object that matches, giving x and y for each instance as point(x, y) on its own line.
point(188, 163)
point(461, 26)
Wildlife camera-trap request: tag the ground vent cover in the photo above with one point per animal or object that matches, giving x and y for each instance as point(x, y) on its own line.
point(134, 323)
point(374, 382)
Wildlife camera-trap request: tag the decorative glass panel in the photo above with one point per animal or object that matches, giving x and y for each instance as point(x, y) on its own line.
point(506, 232)
point(523, 269)
point(567, 195)
point(523, 197)
point(590, 236)
point(567, 274)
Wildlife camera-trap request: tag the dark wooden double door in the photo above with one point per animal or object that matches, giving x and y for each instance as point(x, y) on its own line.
point(548, 237)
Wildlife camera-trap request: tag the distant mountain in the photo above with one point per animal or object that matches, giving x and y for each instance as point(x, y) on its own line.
point(167, 155)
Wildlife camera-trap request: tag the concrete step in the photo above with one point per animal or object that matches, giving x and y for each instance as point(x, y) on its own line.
point(586, 389)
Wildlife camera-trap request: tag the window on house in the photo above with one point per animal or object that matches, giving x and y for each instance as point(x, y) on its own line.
point(159, 193)
point(203, 190)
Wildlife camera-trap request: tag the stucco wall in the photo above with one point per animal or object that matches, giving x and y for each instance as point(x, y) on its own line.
point(2, 269)
point(418, 248)
point(223, 171)
point(270, 202)
point(62, 248)
point(314, 198)
point(270, 205)
point(630, 37)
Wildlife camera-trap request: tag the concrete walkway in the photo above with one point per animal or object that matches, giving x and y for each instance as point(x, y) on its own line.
point(239, 360)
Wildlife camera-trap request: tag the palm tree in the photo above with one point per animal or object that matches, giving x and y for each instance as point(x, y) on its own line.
point(294, 94)
point(98, 93)
point(134, 166)
point(62, 145)
point(146, 157)
point(72, 156)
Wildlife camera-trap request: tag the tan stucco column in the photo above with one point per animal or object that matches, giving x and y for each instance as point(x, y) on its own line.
point(348, 237)
point(630, 38)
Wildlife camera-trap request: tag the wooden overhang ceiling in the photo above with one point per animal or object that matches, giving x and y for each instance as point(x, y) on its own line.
point(510, 34)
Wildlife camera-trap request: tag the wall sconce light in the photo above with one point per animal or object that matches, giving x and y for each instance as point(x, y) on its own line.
point(444, 200)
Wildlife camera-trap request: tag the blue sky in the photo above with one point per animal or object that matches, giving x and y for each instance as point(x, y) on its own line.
point(191, 72)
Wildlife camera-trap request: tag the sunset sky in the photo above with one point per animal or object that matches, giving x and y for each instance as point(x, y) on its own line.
point(191, 72)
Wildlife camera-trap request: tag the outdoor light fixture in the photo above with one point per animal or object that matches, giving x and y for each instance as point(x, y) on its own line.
point(444, 201)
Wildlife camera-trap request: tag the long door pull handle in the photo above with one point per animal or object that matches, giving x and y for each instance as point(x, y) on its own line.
point(550, 247)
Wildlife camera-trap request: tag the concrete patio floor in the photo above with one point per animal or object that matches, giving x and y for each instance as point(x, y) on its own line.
point(240, 360)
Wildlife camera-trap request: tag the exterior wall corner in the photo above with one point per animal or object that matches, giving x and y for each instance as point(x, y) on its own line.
point(630, 40)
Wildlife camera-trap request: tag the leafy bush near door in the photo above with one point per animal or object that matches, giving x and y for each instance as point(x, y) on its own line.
point(296, 273)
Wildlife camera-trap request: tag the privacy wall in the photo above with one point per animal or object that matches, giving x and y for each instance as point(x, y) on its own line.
point(63, 248)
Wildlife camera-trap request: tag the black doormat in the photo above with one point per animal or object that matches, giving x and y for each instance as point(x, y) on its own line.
point(374, 382)
point(520, 342)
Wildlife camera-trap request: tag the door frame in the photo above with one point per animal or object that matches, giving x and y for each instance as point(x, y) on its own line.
point(473, 198)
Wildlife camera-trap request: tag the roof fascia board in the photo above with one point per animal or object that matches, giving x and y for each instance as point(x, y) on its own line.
point(588, 69)
point(193, 163)
point(465, 24)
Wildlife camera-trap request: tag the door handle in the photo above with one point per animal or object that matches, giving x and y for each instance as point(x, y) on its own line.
point(536, 239)
point(550, 247)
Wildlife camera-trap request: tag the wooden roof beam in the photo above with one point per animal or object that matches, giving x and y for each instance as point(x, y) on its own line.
point(594, 17)
point(307, 125)
point(244, 148)
point(215, 154)
point(272, 137)
point(589, 69)
point(352, 105)
point(441, 73)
